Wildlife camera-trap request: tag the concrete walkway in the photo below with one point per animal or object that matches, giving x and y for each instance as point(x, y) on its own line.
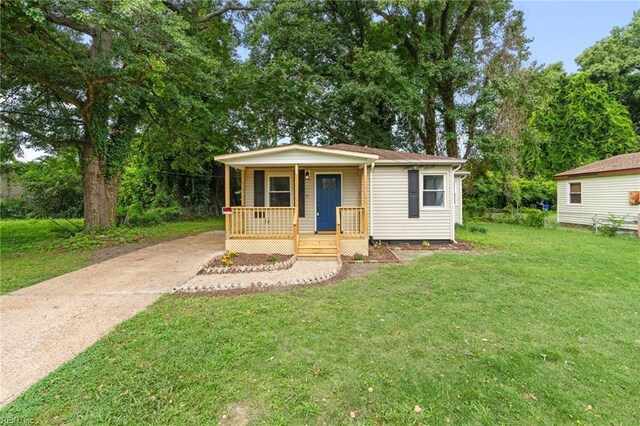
point(49, 323)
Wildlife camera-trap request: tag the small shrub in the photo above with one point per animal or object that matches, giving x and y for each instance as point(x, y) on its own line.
point(358, 256)
point(135, 215)
point(226, 259)
point(533, 218)
point(15, 208)
point(612, 225)
point(377, 245)
point(474, 209)
point(426, 244)
point(272, 258)
point(477, 229)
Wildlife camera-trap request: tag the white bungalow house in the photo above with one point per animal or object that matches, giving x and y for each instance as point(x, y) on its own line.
point(320, 201)
point(587, 195)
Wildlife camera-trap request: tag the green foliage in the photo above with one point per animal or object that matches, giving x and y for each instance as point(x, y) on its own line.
point(473, 228)
point(97, 238)
point(615, 61)
point(51, 187)
point(347, 71)
point(272, 258)
point(500, 337)
point(358, 256)
point(135, 215)
point(37, 249)
point(612, 225)
point(15, 208)
point(532, 218)
point(580, 124)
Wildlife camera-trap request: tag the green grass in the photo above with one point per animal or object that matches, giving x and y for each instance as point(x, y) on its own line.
point(35, 250)
point(538, 327)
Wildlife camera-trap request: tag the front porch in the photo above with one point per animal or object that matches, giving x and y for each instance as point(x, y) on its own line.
point(303, 209)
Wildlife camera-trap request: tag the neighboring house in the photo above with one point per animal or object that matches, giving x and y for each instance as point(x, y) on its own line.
point(326, 200)
point(589, 194)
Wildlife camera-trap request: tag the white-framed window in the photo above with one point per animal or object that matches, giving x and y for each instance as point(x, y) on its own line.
point(279, 191)
point(433, 190)
point(575, 192)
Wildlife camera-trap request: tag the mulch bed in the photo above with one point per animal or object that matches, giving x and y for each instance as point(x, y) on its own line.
point(376, 255)
point(460, 245)
point(247, 259)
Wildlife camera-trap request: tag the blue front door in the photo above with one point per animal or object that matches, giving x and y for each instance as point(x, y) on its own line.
point(328, 197)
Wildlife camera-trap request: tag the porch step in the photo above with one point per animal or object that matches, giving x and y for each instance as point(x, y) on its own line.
point(320, 243)
point(315, 257)
point(317, 245)
point(321, 251)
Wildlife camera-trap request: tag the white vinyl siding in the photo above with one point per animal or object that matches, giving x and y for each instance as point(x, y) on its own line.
point(390, 207)
point(600, 195)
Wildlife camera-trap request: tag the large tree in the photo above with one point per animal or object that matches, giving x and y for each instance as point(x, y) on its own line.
point(580, 123)
point(615, 60)
point(86, 73)
point(412, 75)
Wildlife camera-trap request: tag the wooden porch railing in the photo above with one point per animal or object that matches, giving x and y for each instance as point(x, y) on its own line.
point(351, 221)
point(262, 222)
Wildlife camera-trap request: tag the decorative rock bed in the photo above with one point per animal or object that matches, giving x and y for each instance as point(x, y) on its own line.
point(301, 273)
point(209, 269)
point(376, 255)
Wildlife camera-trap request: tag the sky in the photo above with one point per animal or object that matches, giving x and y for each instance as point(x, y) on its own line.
point(560, 30)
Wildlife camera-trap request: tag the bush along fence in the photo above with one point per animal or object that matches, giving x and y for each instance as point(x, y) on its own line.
point(612, 224)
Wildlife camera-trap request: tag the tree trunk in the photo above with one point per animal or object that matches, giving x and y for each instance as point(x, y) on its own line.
point(430, 126)
point(449, 119)
point(100, 191)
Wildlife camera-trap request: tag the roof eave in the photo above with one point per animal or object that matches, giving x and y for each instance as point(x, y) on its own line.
point(603, 173)
point(430, 161)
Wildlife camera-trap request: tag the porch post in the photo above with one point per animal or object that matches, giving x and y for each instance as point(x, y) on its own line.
point(227, 198)
point(242, 187)
point(365, 179)
point(296, 203)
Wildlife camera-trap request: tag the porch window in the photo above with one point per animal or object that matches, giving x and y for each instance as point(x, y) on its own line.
point(279, 191)
point(575, 193)
point(433, 190)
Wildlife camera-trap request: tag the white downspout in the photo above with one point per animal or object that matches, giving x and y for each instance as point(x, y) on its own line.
point(461, 204)
point(452, 204)
point(373, 165)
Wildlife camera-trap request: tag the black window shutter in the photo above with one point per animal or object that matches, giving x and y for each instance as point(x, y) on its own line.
point(301, 193)
point(414, 194)
point(258, 188)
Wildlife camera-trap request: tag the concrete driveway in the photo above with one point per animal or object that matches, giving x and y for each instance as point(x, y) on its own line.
point(49, 323)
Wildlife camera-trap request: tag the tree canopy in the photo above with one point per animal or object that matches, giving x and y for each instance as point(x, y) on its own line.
point(144, 94)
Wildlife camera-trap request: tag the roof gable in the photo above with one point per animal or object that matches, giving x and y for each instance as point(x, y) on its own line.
point(295, 154)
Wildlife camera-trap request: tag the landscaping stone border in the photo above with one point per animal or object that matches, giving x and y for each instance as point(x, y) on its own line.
point(265, 267)
point(258, 283)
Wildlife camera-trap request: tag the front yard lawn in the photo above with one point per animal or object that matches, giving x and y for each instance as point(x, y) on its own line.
point(537, 327)
point(37, 249)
